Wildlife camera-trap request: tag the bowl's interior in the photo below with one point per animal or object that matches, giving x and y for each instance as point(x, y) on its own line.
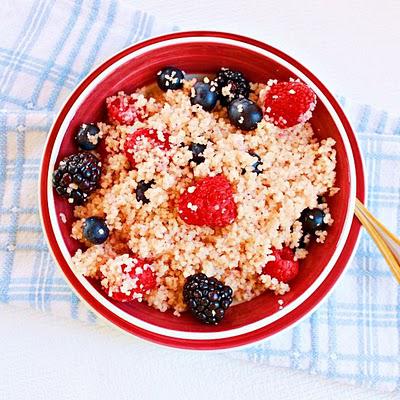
point(203, 58)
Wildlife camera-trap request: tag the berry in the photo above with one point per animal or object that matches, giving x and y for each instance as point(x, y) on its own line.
point(123, 110)
point(255, 165)
point(289, 103)
point(245, 114)
point(144, 280)
point(141, 188)
point(170, 78)
point(284, 268)
point(304, 241)
point(321, 199)
point(208, 202)
point(77, 176)
point(312, 219)
point(197, 150)
point(133, 141)
point(87, 137)
point(95, 230)
point(231, 85)
point(204, 95)
point(207, 298)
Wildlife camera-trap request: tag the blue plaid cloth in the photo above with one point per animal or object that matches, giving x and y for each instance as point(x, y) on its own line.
point(46, 48)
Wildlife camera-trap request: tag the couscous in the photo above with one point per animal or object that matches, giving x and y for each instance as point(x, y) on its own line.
point(207, 191)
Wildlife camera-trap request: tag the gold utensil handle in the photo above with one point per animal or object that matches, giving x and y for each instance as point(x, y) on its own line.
point(387, 242)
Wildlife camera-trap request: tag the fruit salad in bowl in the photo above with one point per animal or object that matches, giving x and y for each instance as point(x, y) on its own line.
point(201, 203)
point(207, 194)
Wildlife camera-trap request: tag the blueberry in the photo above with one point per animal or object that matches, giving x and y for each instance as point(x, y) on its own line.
point(197, 150)
point(141, 189)
point(87, 136)
point(255, 165)
point(245, 114)
point(304, 241)
point(170, 78)
point(321, 199)
point(205, 95)
point(312, 219)
point(95, 230)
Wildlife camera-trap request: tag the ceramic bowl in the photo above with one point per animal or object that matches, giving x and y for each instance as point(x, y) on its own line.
point(205, 53)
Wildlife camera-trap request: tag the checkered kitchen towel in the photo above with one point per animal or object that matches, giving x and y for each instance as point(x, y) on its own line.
point(46, 47)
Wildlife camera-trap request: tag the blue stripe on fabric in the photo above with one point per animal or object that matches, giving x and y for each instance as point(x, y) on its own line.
point(47, 288)
point(294, 361)
point(35, 10)
point(22, 228)
point(27, 280)
point(396, 130)
point(34, 66)
point(92, 318)
point(381, 126)
point(72, 56)
point(364, 118)
point(332, 347)
point(16, 196)
point(149, 26)
point(37, 26)
point(111, 12)
point(70, 24)
point(51, 289)
point(74, 305)
point(7, 210)
point(314, 342)
point(21, 246)
point(55, 297)
point(3, 158)
point(136, 21)
point(326, 355)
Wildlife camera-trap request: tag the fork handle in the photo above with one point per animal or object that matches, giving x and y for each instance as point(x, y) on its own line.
point(387, 242)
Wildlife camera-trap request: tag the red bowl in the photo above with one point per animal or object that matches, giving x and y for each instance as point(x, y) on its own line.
point(202, 53)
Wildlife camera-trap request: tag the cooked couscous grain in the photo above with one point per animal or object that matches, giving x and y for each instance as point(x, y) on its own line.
point(295, 169)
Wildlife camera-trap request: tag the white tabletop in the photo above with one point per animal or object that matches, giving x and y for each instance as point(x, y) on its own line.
point(353, 47)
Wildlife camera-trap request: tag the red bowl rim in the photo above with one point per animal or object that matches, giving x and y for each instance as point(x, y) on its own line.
point(204, 340)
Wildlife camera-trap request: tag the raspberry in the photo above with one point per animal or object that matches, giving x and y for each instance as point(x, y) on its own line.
point(153, 136)
point(122, 110)
point(144, 281)
point(289, 103)
point(208, 202)
point(284, 268)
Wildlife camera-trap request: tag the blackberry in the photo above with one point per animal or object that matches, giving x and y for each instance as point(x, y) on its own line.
point(77, 176)
point(197, 150)
point(231, 85)
point(207, 298)
point(141, 189)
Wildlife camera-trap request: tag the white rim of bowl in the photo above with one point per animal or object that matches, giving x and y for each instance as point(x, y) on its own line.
point(188, 334)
